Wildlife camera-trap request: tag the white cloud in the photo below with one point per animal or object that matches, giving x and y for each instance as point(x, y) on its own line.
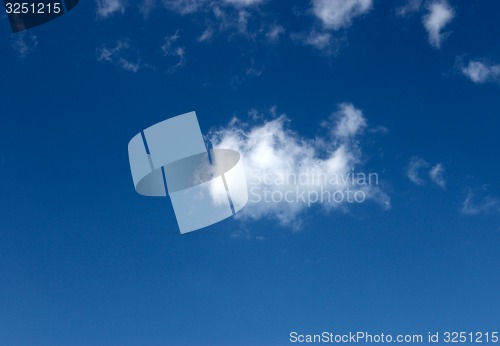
point(440, 14)
point(481, 72)
point(322, 41)
point(146, 7)
point(116, 54)
point(379, 130)
point(243, 3)
point(128, 65)
point(24, 43)
point(350, 121)
point(436, 172)
point(437, 175)
point(170, 49)
point(242, 17)
point(279, 162)
point(184, 6)
point(206, 35)
point(242, 21)
point(106, 8)
point(474, 205)
point(413, 171)
point(191, 6)
point(252, 70)
point(410, 7)
point(337, 14)
point(108, 54)
point(274, 33)
point(222, 17)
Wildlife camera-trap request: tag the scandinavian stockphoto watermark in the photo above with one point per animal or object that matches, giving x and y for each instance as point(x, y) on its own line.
point(310, 186)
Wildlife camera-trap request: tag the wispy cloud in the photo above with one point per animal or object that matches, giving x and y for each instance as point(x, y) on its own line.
point(481, 72)
point(227, 18)
point(253, 70)
point(146, 6)
point(243, 3)
point(410, 7)
point(280, 162)
point(206, 35)
point(337, 14)
point(275, 32)
point(476, 202)
point(190, 6)
point(106, 8)
point(436, 173)
point(169, 48)
point(413, 170)
point(184, 6)
point(379, 130)
point(320, 40)
point(24, 43)
point(115, 54)
point(440, 14)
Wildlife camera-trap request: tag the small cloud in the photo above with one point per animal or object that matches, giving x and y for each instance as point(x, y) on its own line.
point(250, 71)
point(106, 8)
point(128, 65)
point(436, 172)
point(184, 6)
point(409, 8)
point(190, 6)
point(253, 70)
point(108, 54)
point(146, 7)
point(229, 18)
point(243, 3)
point(413, 170)
point(170, 49)
point(476, 203)
point(242, 17)
point(440, 14)
point(349, 121)
point(274, 33)
point(337, 14)
point(382, 130)
point(24, 43)
point(246, 234)
point(437, 175)
point(322, 41)
point(206, 35)
point(481, 72)
point(242, 21)
point(117, 55)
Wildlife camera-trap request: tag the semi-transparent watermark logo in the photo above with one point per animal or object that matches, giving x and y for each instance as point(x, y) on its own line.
point(310, 186)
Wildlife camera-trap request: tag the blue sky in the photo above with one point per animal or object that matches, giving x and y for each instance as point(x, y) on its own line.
point(85, 260)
